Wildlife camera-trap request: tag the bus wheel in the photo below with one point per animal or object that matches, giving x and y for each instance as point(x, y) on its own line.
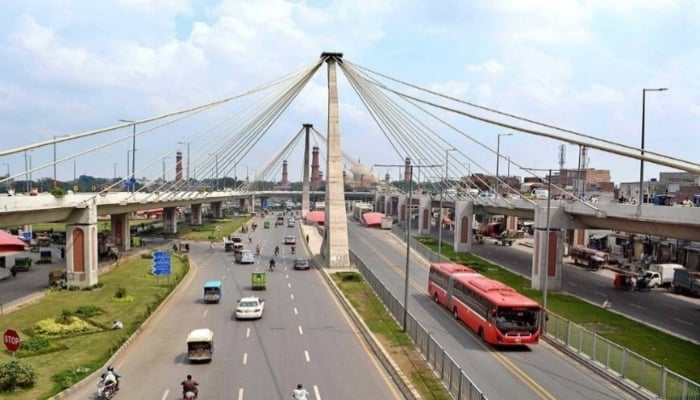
point(436, 298)
point(480, 332)
point(456, 314)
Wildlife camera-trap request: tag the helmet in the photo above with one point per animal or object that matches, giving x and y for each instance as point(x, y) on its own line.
point(110, 368)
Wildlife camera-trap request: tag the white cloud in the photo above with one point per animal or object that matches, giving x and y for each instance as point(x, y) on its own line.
point(600, 94)
point(491, 67)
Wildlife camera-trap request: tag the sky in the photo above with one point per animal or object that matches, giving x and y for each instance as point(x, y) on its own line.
point(75, 66)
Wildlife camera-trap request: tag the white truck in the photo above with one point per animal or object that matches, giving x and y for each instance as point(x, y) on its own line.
point(660, 274)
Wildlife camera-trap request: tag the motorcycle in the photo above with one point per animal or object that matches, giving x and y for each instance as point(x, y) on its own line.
point(106, 391)
point(189, 396)
point(294, 250)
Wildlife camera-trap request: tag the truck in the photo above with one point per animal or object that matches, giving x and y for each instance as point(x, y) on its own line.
point(387, 222)
point(660, 274)
point(686, 282)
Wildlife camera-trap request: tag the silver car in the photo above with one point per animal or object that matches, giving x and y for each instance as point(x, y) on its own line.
point(245, 257)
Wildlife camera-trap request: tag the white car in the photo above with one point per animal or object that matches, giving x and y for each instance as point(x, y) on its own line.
point(290, 240)
point(245, 257)
point(250, 308)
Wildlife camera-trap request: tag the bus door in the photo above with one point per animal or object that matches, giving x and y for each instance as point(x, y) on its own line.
point(448, 291)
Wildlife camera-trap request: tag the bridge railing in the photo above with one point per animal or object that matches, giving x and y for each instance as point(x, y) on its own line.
point(453, 377)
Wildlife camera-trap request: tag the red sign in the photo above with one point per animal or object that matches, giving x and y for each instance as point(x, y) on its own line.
point(11, 339)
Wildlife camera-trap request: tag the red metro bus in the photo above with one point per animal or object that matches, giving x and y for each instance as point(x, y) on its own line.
point(495, 311)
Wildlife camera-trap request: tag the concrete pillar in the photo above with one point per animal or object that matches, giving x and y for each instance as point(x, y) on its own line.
point(243, 205)
point(387, 206)
point(217, 209)
point(170, 220)
point(403, 203)
point(121, 232)
point(542, 261)
point(464, 218)
point(251, 204)
point(196, 214)
point(335, 242)
point(81, 247)
point(511, 223)
point(306, 183)
point(424, 207)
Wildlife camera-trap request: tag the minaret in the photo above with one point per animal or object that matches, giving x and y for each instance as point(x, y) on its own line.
point(285, 182)
point(407, 170)
point(178, 167)
point(315, 180)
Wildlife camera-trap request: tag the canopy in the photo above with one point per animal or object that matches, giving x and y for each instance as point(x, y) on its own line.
point(372, 219)
point(316, 216)
point(9, 242)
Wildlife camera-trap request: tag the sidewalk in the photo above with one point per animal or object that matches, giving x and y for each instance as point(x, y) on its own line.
point(315, 239)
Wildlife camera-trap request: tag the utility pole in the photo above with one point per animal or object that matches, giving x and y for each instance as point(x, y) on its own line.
point(132, 183)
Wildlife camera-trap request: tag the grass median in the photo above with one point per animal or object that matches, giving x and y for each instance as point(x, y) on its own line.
point(128, 293)
point(389, 333)
point(676, 354)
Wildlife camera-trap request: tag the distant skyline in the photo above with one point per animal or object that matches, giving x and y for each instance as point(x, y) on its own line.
point(75, 66)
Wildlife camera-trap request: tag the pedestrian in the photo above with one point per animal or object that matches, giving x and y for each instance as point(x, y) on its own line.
point(63, 252)
point(117, 324)
point(299, 393)
point(307, 238)
point(607, 303)
point(13, 271)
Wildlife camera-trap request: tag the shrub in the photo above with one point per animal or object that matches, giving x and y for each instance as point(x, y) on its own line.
point(16, 374)
point(50, 327)
point(120, 293)
point(88, 311)
point(350, 277)
point(70, 377)
point(35, 344)
point(73, 288)
point(66, 317)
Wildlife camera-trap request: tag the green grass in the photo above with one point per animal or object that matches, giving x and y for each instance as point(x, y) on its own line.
point(676, 354)
point(397, 343)
point(73, 358)
point(208, 229)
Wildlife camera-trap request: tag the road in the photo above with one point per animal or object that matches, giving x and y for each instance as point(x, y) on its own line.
point(303, 337)
point(533, 372)
point(672, 313)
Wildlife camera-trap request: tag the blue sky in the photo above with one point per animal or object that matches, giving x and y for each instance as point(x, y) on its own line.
point(73, 66)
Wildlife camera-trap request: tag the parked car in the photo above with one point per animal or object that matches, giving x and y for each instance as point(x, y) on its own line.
point(290, 239)
point(291, 223)
point(245, 257)
point(301, 263)
point(250, 308)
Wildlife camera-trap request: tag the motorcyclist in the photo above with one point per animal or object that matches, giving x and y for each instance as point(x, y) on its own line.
point(257, 250)
point(294, 249)
point(277, 250)
point(111, 377)
point(272, 264)
point(299, 393)
point(189, 385)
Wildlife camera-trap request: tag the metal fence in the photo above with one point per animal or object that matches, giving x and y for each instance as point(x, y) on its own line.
point(451, 374)
point(621, 363)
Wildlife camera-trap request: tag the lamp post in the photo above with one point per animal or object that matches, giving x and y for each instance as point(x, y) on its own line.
point(188, 158)
point(641, 162)
point(442, 194)
point(498, 155)
point(133, 151)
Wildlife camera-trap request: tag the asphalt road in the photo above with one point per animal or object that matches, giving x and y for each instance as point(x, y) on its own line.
point(525, 372)
point(670, 312)
point(303, 337)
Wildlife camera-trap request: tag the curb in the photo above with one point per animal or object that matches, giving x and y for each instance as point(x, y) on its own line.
point(145, 324)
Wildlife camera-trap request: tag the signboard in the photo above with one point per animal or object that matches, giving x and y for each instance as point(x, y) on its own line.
point(11, 339)
point(161, 263)
point(27, 236)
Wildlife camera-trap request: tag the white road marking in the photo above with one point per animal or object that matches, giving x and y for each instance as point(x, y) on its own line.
point(673, 307)
point(683, 322)
point(571, 283)
point(228, 269)
point(223, 277)
point(292, 296)
point(245, 358)
point(247, 333)
point(637, 306)
point(301, 332)
point(316, 393)
point(295, 311)
point(165, 394)
point(601, 294)
point(240, 394)
point(204, 314)
point(306, 355)
point(287, 276)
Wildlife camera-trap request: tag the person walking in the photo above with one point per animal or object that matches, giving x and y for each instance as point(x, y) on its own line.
point(299, 393)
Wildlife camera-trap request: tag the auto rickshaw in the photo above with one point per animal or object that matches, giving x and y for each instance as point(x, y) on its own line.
point(624, 282)
point(57, 278)
point(259, 281)
point(266, 224)
point(212, 292)
point(200, 345)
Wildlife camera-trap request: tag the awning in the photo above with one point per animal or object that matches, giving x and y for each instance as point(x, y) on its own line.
point(692, 248)
point(599, 236)
point(9, 242)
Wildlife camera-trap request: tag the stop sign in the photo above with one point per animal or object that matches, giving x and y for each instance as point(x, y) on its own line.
point(11, 339)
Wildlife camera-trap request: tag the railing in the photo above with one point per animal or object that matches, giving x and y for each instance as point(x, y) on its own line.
point(453, 377)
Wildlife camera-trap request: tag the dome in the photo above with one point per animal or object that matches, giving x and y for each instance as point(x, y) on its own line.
point(349, 175)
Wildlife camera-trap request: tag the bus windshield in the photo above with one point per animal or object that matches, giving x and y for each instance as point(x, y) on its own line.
point(509, 319)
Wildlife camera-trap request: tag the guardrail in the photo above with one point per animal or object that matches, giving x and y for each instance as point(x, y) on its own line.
point(460, 386)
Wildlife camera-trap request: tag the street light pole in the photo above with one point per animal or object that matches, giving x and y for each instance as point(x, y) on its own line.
point(641, 162)
point(498, 155)
point(546, 249)
point(442, 194)
point(133, 155)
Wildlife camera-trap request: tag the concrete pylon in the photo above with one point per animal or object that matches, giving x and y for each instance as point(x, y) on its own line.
point(196, 214)
point(548, 252)
point(424, 215)
point(306, 184)
point(82, 247)
point(169, 220)
point(217, 209)
point(335, 242)
point(121, 231)
point(464, 217)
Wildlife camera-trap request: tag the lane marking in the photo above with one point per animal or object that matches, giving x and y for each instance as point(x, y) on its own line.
point(601, 294)
point(292, 296)
point(637, 306)
point(289, 285)
point(295, 311)
point(245, 358)
point(673, 307)
point(240, 394)
point(223, 277)
point(306, 355)
point(247, 333)
point(316, 393)
point(572, 284)
point(683, 322)
point(204, 314)
point(301, 332)
point(165, 394)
